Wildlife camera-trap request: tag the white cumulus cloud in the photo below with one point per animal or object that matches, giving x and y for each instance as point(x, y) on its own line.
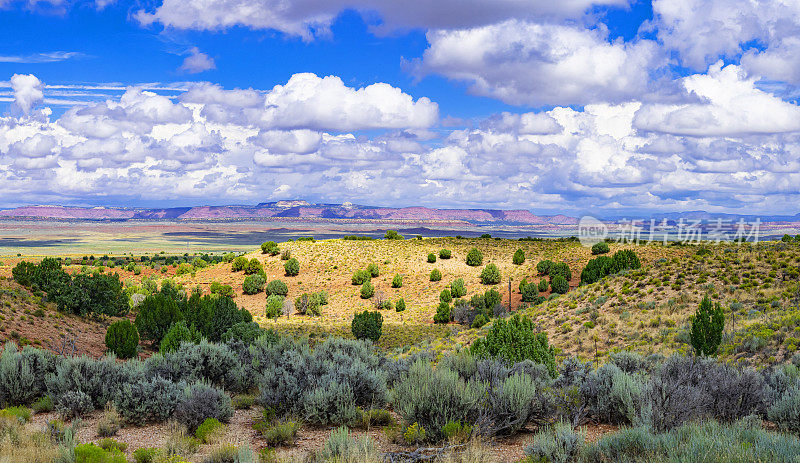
point(536, 64)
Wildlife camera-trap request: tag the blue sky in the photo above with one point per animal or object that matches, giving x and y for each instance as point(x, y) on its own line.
point(571, 106)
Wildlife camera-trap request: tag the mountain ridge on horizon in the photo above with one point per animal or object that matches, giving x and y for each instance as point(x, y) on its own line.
point(302, 209)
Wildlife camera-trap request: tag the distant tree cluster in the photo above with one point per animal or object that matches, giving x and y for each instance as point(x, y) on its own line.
point(559, 274)
point(602, 266)
point(210, 316)
point(79, 294)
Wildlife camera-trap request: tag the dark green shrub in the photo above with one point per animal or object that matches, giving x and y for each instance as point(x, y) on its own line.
point(246, 332)
point(308, 304)
point(122, 339)
point(157, 313)
point(360, 277)
point(392, 235)
point(397, 281)
point(543, 267)
point(400, 305)
point(367, 290)
point(474, 258)
point(457, 288)
point(291, 267)
point(277, 287)
point(445, 296)
point(239, 263)
point(213, 316)
point(707, 326)
point(253, 283)
point(490, 275)
point(543, 286)
point(515, 339)
point(222, 290)
point(373, 270)
point(479, 321)
point(519, 257)
point(253, 266)
point(530, 292)
point(600, 248)
point(559, 284)
point(491, 298)
point(599, 267)
point(431, 257)
point(435, 275)
point(367, 325)
point(83, 294)
point(270, 247)
point(442, 313)
point(562, 269)
point(23, 273)
point(274, 306)
point(445, 254)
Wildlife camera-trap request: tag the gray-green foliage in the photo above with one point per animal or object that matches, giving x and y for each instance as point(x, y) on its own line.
point(342, 447)
point(785, 412)
point(330, 403)
point(296, 380)
point(432, 397)
point(74, 404)
point(98, 379)
point(707, 441)
point(614, 396)
point(200, 401)
point(509, 405)
point(559, 443)
point(23, 373)
point(215, 363)
point(150, 399)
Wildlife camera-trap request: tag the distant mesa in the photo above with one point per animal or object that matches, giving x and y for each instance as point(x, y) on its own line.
point(295, 209)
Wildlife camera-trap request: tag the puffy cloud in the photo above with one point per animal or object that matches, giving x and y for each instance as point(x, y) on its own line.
point(293, 141)
point(526, 123)
point(307, 18)
point(27, 91)
point(235, 146)
point(197, 62)
point(765, 33)
point(308, 101)
point(541, 64)
point(730, 105)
